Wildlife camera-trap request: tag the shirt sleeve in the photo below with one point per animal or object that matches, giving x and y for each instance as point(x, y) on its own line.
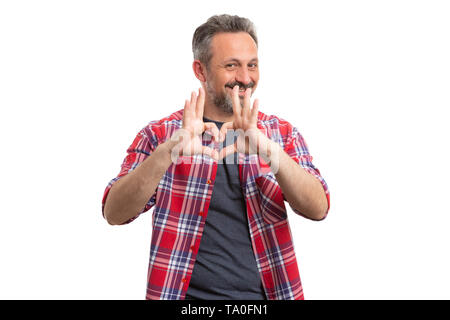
point(143, 145)
point(297, 149)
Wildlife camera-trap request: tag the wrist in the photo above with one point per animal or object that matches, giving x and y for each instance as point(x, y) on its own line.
point(166, 150)
point(266, 147)
point(274, 150)
point(270, 152)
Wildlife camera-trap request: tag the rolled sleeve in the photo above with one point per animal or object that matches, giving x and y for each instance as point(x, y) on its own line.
point(143, 145)
point(297, 149)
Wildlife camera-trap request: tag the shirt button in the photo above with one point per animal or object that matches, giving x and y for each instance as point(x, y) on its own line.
point(208, 182)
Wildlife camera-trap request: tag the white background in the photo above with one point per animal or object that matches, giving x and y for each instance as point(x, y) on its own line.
point(366, 82)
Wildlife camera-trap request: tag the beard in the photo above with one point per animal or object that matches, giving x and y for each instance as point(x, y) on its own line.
point(221, 100)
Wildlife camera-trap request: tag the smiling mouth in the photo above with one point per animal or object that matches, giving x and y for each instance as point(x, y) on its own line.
point(241, 91)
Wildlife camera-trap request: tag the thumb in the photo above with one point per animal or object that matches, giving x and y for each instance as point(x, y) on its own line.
point(210, 152)
point(230, 149)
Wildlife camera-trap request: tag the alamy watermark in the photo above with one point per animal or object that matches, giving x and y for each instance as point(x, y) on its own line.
point(267, 150)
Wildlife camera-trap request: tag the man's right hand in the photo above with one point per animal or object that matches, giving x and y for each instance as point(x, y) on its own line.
point(131, 193)
point(187, 141)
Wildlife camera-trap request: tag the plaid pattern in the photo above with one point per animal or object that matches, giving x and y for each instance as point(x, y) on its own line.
point(182, 199)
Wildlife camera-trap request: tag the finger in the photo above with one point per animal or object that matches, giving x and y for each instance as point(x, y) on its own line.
point(236, 103)
point(194, 103)
point(200, 103)
point(246, 107)
point(223, 130)
point(212, 127)
point(210, 152)
point(226, 151)
point(254, 114)
point(186, 111)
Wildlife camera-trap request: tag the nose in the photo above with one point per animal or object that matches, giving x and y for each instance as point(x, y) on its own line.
point(243, 76)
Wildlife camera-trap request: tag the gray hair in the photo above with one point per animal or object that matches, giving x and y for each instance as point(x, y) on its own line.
point(203, 35)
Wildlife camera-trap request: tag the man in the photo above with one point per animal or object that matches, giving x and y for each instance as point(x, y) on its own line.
point(220, 229)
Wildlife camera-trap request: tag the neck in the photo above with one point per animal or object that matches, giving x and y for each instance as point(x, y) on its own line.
point(212, 112)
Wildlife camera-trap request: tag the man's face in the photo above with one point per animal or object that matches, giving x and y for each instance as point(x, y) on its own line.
point(234, 61)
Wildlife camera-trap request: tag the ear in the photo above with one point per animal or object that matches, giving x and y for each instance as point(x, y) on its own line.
point(199, 70)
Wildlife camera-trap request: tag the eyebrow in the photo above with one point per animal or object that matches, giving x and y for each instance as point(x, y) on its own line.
point(238, 61)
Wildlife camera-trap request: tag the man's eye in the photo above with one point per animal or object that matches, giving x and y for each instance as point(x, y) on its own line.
point(230, 65)
point(253, 66)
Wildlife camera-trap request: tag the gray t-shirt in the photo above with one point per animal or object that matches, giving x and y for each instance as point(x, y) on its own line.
point(225, 267)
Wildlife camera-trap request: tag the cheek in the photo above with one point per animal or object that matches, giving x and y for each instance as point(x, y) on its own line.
point(221, 79)
point(228, 77)
point(255, 76)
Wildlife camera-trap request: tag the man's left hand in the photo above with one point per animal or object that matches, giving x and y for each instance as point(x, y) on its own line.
point(250, 140)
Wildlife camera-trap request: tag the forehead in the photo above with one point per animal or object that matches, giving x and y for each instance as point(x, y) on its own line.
point(238, 45)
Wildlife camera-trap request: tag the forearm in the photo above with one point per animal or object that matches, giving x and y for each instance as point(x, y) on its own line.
point(301, 189)
point(130, 194)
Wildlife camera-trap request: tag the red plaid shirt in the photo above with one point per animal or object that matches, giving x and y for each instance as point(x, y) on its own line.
point(182, 199)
